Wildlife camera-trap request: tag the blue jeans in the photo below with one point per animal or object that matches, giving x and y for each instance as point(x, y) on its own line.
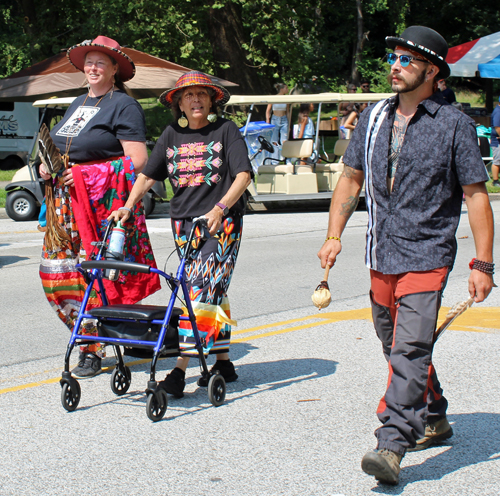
point(280, 131)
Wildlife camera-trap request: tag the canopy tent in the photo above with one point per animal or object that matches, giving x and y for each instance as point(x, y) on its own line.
point(55, 76)
point(479, 57)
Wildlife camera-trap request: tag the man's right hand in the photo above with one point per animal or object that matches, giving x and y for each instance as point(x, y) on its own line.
point(329, 251)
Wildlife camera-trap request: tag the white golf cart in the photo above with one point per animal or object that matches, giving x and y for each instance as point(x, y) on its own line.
point(301, 170)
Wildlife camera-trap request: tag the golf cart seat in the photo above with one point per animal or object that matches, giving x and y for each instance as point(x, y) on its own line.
point(300, 149)
point(277, 176)
point(328, 174)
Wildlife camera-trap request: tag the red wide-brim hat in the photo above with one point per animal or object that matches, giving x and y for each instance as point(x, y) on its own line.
point(76, 55)
point(195, 78)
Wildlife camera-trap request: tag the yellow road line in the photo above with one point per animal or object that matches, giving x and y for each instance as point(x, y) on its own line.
point(476, 319)
point(57, 379)
point(282, 331)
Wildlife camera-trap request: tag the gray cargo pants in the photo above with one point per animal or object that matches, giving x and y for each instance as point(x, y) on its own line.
point(405, 309)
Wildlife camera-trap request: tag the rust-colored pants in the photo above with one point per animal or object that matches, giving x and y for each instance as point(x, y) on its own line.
point(405, 310)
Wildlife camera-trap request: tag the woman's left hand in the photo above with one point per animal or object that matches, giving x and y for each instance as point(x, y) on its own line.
point(214, 220)
point(68, 178)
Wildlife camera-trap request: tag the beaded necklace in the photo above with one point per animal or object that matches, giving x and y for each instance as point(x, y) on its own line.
point(65, 157)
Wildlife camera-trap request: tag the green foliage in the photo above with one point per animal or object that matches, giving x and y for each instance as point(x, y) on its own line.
point(157, 116)
point(272, 40)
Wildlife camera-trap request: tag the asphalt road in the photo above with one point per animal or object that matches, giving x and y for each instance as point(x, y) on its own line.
point(302, 413)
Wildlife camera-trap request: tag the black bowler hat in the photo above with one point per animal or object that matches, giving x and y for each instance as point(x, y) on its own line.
point(425, 41)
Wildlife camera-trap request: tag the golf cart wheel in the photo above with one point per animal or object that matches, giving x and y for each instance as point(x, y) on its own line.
point(70, 395)
point(217, 390)
point(156, 405)
point(149, 204)
point(21, 205)
point(120, 382)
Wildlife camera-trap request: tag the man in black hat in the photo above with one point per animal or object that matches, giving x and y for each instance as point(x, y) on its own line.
point(416, 155)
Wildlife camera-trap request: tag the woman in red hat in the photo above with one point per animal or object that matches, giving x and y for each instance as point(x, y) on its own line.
point(206, 160)
point(103, 133)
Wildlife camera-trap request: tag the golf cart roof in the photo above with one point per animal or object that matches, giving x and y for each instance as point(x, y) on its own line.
point(55, 102)
point(307, 98)
point(261, 99)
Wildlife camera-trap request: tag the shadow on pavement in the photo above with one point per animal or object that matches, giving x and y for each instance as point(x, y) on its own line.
point(254, 378)
point(9, 260)
point(476, 440)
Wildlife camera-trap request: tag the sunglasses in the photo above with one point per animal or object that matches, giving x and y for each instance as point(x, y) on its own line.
point(404, 60)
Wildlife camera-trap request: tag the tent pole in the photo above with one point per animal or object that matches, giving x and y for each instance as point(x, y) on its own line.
point(488, 84)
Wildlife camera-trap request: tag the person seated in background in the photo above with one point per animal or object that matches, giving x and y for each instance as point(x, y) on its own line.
point(345, 108)
point(353, 118)
point(304, 129)
point(447, 93)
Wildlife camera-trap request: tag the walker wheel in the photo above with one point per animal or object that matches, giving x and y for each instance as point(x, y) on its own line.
point(70, 395)
point(120, 382)
point(217, 390)
point(156, 405)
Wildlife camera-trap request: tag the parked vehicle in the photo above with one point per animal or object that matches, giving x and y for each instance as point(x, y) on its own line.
point(19, 123)
point(26, 190)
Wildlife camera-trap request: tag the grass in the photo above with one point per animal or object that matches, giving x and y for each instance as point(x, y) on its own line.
point(474, 98)
point(491, 188)
point(7, 175)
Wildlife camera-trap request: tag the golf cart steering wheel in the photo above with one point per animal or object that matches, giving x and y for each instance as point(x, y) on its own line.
point(265, 144)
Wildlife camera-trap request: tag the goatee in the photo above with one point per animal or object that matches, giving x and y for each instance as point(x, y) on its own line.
point(407, 87)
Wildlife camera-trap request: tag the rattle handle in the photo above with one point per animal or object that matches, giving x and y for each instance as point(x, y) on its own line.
point(327, 270)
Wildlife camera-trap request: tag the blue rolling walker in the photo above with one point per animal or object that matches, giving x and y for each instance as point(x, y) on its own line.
point(143, 330)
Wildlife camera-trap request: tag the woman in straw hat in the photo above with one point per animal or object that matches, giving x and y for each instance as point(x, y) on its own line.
point(103, 139)
point(206, 160)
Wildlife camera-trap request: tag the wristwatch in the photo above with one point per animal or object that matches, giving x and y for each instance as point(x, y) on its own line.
point(223, 207)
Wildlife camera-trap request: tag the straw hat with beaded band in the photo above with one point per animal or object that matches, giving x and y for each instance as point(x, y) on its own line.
point(76, 55)
point(424, 41)
point(195, 78)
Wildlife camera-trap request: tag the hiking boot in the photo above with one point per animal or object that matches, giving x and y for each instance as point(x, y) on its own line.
point(435, 433)
point(89, 365)
point(226, 369)
point(384, 464)
point(174, 383)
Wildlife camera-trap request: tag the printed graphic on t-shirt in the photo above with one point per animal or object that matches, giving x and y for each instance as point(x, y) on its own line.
point(80, 118)
point(193, 164)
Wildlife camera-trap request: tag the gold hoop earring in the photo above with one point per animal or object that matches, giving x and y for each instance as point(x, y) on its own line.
point(182, 120)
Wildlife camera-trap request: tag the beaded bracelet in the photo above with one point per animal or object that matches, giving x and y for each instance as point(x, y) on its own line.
point(486, 267)
point(333, 237)
point(125, 208)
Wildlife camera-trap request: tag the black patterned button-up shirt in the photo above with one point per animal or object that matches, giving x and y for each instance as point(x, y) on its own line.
point(413, 227)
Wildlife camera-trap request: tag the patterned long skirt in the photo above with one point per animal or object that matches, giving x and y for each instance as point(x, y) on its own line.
point(208, 278)
point(100, 188)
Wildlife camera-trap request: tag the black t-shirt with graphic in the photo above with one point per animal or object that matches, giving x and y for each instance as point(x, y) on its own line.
point(201, 165)
point(95, 129)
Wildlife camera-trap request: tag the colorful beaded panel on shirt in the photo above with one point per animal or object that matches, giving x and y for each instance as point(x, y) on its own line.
point(193, 164)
